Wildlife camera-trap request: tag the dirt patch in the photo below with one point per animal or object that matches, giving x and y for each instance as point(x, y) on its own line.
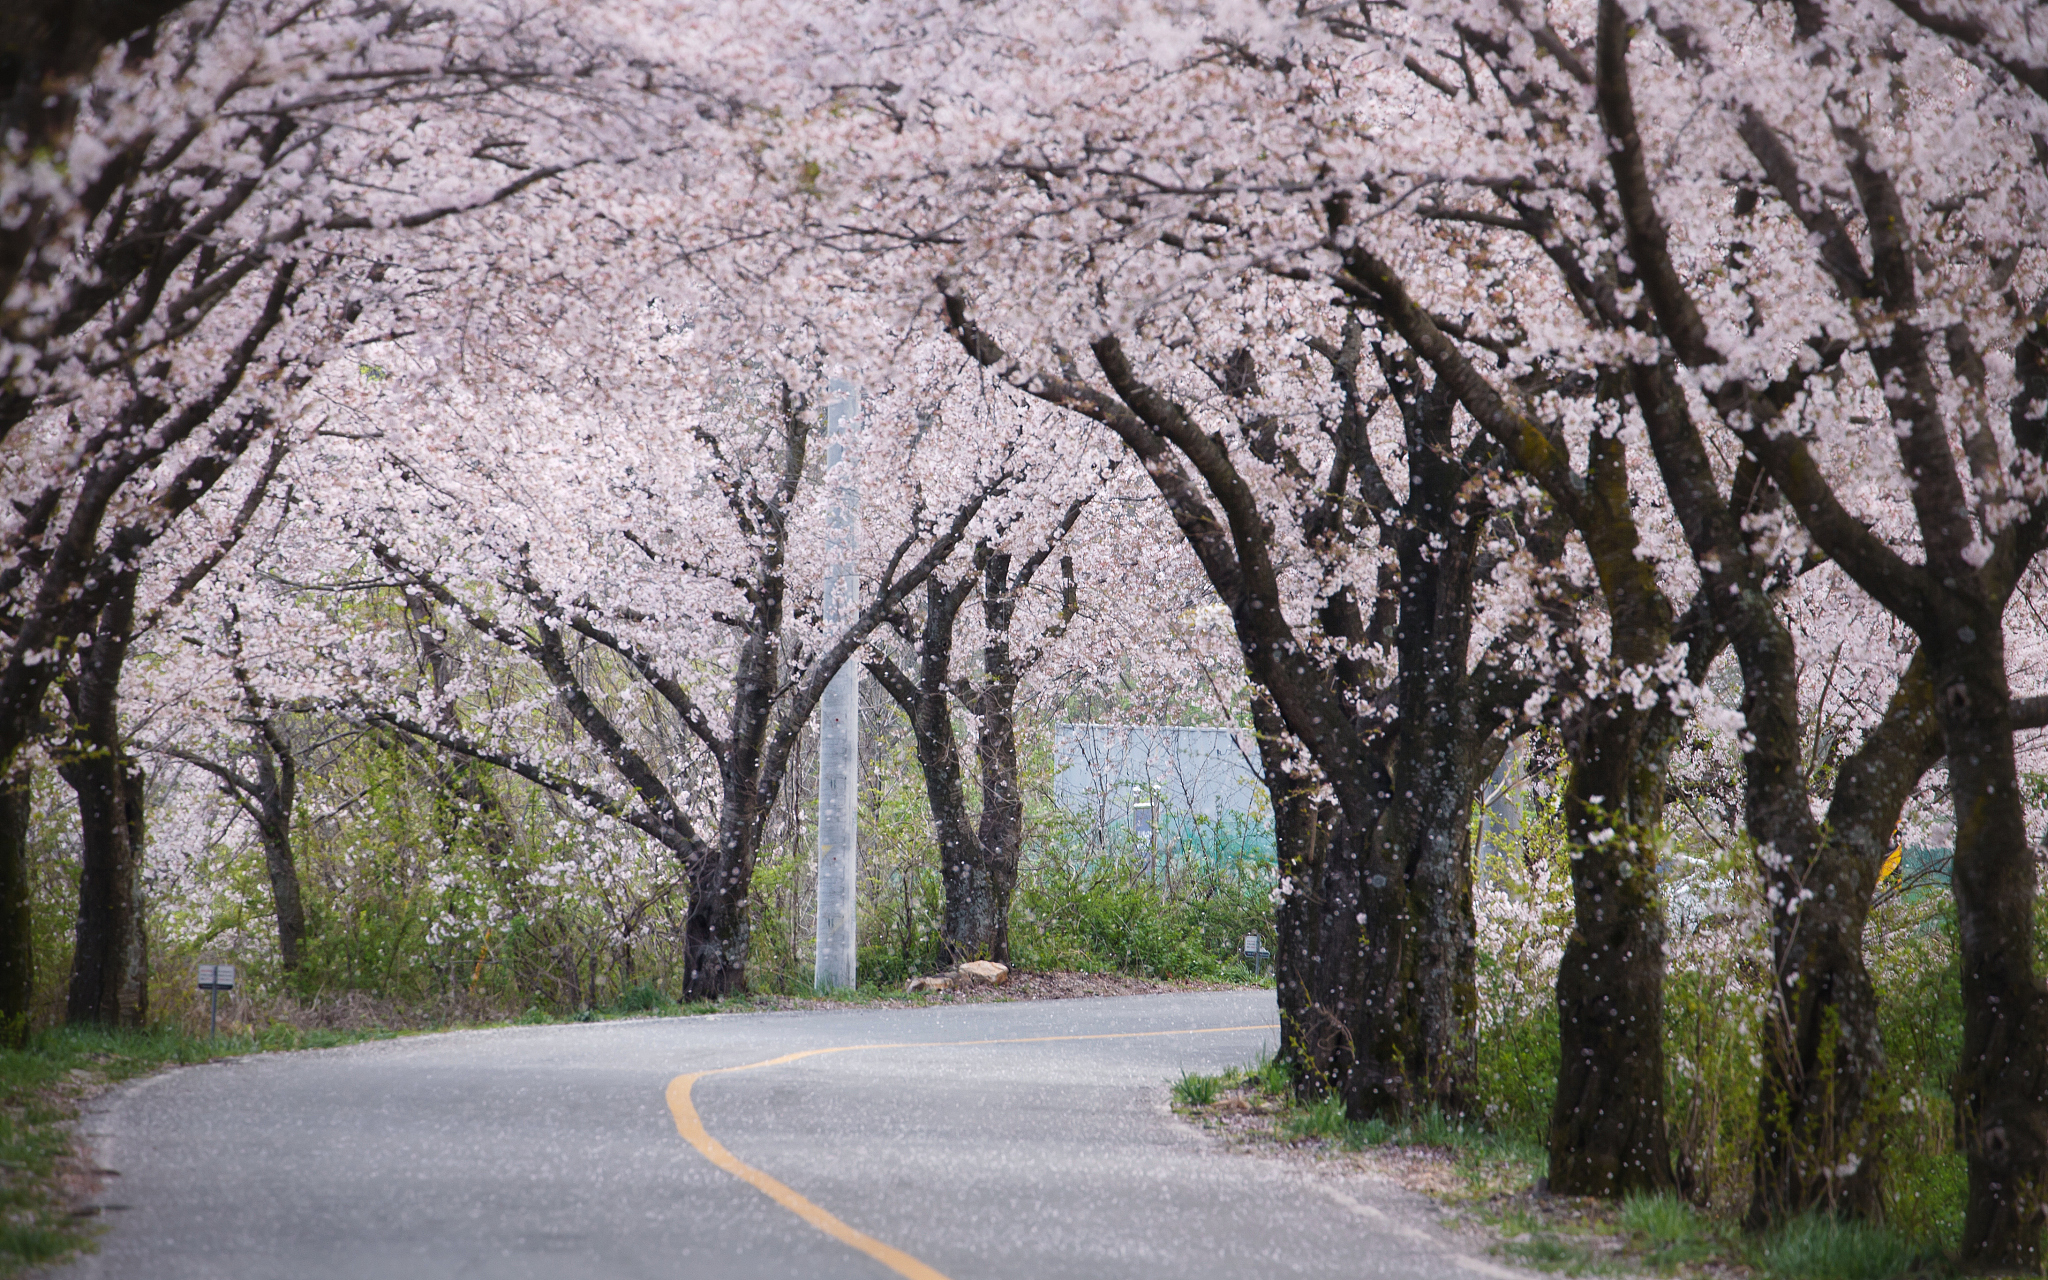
point(1250, 1121)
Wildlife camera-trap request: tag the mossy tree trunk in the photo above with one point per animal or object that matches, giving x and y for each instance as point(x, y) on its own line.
point(1444, 741)
point(1823, 1055)
point(17, 938)
point(110, 954)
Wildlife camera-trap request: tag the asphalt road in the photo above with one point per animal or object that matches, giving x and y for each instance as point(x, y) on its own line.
point(635, 1149)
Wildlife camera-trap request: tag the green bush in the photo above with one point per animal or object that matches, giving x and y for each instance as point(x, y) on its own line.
point(1517, 1071)
point(1112, 912)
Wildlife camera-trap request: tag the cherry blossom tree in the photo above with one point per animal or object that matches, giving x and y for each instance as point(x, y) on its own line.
point(259, 774)
point(1485, 183)
point(645, 541)
point(1498, 365)
point(1974, 545)
point(52, 54)
point(978, 858)
point(198, 225)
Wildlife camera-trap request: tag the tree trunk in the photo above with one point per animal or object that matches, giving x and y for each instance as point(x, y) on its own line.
point(978, 862)
point(717, 928)
point(1307, 1045)
point(1386, 1067)
point(963, 929)
point(715, 934)
point(17, 941)
point(1439, 867)
point(964, 932)
point(1001, 842)
point(1822, 1049)
point(1818, 1142)
point(284, 895)
point(1320, 949)
point(1607, 1129)
point(977, 859)
point(110, 957)
point(999, 839)
point(2002, 1080)
point(1437, 758)
point(277, 781)
point(927, 703)
point(1002, 846)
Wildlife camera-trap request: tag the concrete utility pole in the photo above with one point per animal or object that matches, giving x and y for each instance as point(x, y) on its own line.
point(839, 713)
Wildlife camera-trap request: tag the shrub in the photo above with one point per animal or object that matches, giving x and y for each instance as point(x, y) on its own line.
point(1081, 909)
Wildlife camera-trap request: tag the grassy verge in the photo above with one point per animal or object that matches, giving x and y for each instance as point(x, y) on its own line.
point(1453, 1157)
point(1491, 1179)
point(1663, 1235)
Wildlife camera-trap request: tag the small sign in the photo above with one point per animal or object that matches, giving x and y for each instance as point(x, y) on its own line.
point(1255, 951)
point(216, 977)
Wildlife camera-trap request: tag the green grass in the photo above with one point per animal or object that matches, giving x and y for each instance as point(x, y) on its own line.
point(1818, 1247)
point(1670, 1232)
point(1487, 1160)
point(1196, 1091)
point(1269, 1074)
point(1470, 1141)
point(1569, 1248)
point(1658, 1234)
point(1546, 1251)
point(645, 998)
point(1665, 1235)
point(1324, 1120)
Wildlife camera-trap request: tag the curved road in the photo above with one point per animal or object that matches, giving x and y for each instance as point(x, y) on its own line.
point(854, 1142)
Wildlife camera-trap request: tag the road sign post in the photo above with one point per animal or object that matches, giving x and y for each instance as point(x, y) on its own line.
point(214, 979)
point(1255, 951)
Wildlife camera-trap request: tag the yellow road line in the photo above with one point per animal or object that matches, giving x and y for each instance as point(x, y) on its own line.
point(692, 1128)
